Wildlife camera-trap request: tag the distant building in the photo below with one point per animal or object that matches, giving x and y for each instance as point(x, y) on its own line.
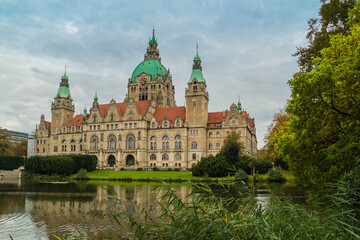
point(31, 148)
point(148, 129)
point(17, 137)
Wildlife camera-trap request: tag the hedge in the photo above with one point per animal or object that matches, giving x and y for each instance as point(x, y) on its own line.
point(11, 162)
point(60, 164)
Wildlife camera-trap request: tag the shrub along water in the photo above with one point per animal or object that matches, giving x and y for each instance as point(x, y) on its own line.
point(11, 162)
point(205, 216)
point(276, 174)
point(60, 164)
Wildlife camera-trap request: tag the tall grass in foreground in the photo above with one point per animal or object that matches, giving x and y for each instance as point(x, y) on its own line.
point(206, 216)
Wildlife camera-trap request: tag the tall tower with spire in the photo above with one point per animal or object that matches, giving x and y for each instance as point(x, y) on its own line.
point(151, 80)
point(196, 96)
point(62, 108)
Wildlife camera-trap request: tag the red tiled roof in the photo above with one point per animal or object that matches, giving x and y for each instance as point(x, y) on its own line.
point(48, 126)
point(78, 119)
point(141, 107)
point(252, 122)
point(171, 113)
point(216, 117)
point(245, 115)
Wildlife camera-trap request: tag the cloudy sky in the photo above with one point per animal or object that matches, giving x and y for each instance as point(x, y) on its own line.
point(245, 47)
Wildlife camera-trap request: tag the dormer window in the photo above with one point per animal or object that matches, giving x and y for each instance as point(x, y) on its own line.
point(165, 123)
point(178, 123)
point(153, 124)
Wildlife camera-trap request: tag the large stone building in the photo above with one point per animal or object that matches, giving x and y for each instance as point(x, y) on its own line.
point(147, 129)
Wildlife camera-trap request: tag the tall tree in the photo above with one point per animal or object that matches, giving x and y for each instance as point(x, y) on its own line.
point(333, 16)
point(5, 144)
point(20, 149)
point(231, 148)
point(324, 136)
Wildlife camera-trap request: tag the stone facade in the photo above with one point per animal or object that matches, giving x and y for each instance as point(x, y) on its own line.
point(147, 129)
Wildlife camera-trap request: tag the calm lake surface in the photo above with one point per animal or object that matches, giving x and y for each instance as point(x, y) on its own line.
point(39, 210)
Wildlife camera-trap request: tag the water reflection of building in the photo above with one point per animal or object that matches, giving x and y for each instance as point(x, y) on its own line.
point(76, 209)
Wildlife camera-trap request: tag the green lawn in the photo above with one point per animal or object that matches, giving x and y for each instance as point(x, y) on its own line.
point(136, 175)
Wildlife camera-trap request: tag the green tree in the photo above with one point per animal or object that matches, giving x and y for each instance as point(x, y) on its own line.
point(20, 149)
point(232, 148)
point(333, 16)
point(5, 144)
point(277, 131)
point(323, 141)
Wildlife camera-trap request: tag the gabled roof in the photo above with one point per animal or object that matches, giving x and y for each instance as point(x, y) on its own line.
point(171, 113)
point(217, 117)
point(78, 119)
point(48, 126)
point(141, 107)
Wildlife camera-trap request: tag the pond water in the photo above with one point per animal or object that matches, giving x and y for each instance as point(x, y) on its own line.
point(41, 210)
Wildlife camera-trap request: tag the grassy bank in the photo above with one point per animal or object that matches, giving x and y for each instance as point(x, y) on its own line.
point(176, 176)
point(171, 176)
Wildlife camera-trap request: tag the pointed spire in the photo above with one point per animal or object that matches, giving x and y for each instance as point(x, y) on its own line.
point(85, 111)
point(239, 105)
point(95, 97)
point(197, 58)
point(153, 40)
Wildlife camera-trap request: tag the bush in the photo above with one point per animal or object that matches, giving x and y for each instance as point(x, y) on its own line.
point(241, 176)
point(11, 162)
point(169, 169)
point(139, 169)
point(60, 164)
point(213, 166)
point(155, 169)
point(176, 169)
point(276, 174)
point(82, 174)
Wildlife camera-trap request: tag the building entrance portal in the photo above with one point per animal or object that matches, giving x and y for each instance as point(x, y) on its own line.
point(130, 160)
point(111, 161)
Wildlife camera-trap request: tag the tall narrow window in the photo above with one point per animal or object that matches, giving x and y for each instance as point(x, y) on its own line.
point(130, 142)
point(194, 145)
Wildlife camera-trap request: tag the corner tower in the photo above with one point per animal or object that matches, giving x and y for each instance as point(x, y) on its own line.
point(151, 80)
point(196, 96)
point(62, 109)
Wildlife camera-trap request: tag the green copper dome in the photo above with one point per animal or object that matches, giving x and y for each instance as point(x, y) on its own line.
point(64, 77)
point(197, 73)
point(64, 92)
point(152, 67)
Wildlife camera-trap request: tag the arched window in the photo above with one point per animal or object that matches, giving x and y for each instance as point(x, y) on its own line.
point(210, 134)
point(112, 117)
point(210, 146)
point(112, 142)
point(178, 123)
point(153, 124)
point(218, 134)
point(152, 157)
point(151, 145)
point(194, 145)
point(233, 122)
point(55, 149)
point(43, 150)
point(165, 123)
point(155, 145)
point(218, 146)
point(94, 144)
point(165, 137)
point(176, 145)
point(194, 156)
point(195, 88)
point(94, 119)
point(177, 156)
point(177, 137)
point(153, 138)
point(227, 132)
point(167, 145)
point(165, 157)
point(130, 142)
